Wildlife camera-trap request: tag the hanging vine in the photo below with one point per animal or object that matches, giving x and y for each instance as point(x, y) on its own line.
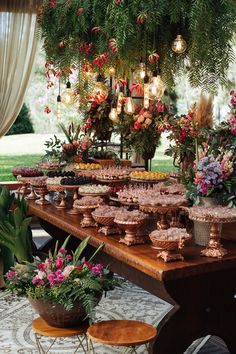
point(74, 30)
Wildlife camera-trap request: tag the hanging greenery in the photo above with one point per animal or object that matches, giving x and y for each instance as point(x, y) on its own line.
point(121, 32)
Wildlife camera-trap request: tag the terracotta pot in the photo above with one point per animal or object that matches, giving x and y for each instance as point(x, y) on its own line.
point(56, 315)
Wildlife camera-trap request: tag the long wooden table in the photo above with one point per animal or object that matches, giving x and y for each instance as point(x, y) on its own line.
point(202, 290)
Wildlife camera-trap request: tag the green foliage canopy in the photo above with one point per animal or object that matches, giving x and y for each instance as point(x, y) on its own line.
point(208, 26)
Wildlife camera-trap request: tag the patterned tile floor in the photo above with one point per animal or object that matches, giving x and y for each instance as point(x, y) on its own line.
point(130, 302)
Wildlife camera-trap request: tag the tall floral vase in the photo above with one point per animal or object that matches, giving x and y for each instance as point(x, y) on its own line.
point(202, 229)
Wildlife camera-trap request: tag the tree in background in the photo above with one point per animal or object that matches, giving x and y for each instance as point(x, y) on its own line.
point(23, 124)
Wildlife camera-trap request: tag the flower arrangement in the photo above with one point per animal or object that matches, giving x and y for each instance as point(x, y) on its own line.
point(215, 177)
point(97, 119)
point(63, 278)
point(189, 131)
point(142, 130)
point(75, 149)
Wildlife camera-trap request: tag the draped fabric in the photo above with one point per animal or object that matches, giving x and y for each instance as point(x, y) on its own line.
point(18, 45)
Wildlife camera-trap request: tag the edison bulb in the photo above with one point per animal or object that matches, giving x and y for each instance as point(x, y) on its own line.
point(146, 95)
point(111, 71)
point(113, 116)
point(140, 73)
point(129, 106)
point(100, 91)
point(77, 101)
point(67, 95)
point(156, 87)
point(119, 102)
point(179, 45)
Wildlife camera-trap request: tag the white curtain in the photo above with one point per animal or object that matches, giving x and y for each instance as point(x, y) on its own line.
point(18, 44)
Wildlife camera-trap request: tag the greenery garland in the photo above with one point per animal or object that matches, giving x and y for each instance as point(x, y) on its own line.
point(74, 30)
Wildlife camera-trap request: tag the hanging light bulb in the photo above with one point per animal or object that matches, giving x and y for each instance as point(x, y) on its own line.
point(100, 90)
point(129, 106)
point(111, 71)
point(140, 72)
point(67, 95)
point(179, 45)
point(119, 102)
point(59, 107)
point(77, 101)
point(113, 115)
point(156, 86)
point(146, 92)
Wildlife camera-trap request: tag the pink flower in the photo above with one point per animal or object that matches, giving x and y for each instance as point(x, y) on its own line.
point(148, 121)
point(11, 274)
point(62, 251)
point(41, 282)
point(233, 131)
point(160, 107)
point(137, 126)
point(59, 262)
point(141, 119)
point(69, 257)
point(97, 269)
point(89, 121)
point(35, 280)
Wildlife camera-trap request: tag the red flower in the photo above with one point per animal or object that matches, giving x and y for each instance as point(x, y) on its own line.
point(137, 126)
point(79, 267)
point(88, 264)
point(80, 11)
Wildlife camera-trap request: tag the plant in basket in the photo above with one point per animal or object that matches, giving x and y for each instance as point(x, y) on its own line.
point(64, 288)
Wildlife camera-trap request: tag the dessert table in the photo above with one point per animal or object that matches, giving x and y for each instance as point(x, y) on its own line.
point(202, 290)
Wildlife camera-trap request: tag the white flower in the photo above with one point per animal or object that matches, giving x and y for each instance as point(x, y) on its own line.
point(67, 270)
point(41, 274)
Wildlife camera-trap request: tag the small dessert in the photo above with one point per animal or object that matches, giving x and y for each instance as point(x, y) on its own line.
point(113, 173)
point(26, 171)
point(50, 165)
point(87, 166)
point(38, 181)
point(94, 189)
point(148, 175)
point(164, 200)
point(130, 216)
point(106, 211)
point(88, 201)
point(54, 181)
point(52, 174)
point(75, 181)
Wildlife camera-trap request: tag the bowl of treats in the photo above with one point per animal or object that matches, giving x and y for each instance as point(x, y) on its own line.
point(130, 222)
point(169, 242)
point(85, 206)
point(94, 190)
point(105, 215)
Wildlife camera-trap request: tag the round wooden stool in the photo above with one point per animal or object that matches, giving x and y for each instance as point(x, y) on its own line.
point(41, 328)
point(122, 333)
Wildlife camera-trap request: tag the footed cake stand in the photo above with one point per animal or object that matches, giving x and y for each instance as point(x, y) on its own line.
point(163, 224)
point(169, 249)
point(26, 183)
point(215, 216)
point(131, 232)
point(42, 191)
point(86, 210)
point(109, 226)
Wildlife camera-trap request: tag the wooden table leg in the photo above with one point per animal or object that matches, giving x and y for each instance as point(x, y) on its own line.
point(207, 306)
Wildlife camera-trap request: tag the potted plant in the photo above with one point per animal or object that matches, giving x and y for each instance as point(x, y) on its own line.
point(64, 289)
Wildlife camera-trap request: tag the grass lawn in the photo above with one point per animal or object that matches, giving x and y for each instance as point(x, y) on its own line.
point(8, 162)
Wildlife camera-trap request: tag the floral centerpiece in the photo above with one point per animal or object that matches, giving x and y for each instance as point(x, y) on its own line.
point(142, 130)
point(189, 131)
point(215, 177)
point(74, 149)
point(97, 118)
point(62, 280)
